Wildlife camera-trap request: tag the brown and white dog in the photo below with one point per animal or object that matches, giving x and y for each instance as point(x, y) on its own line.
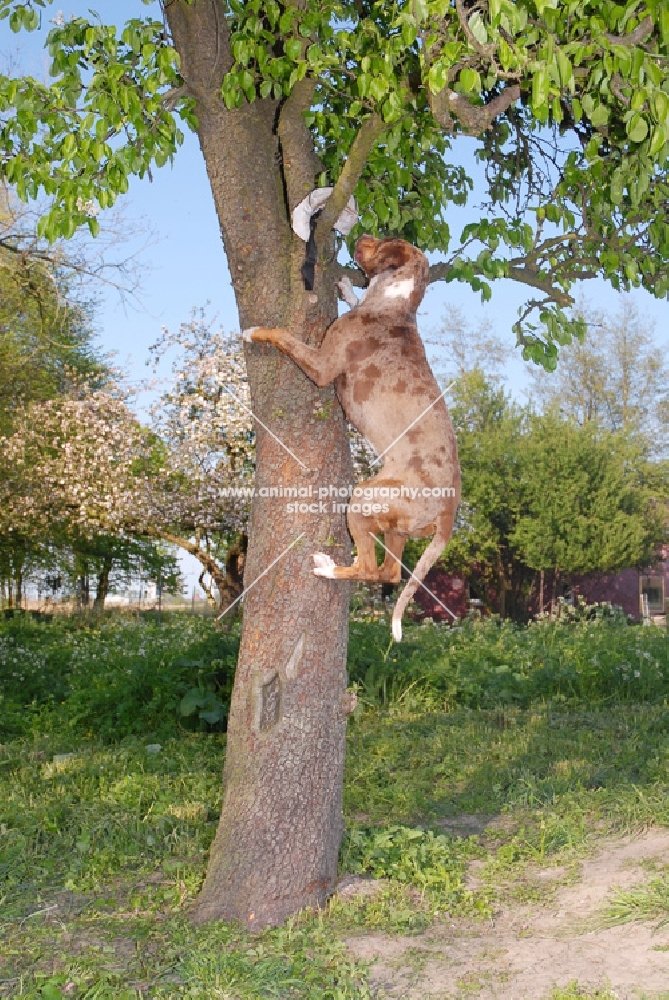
point(376, 359)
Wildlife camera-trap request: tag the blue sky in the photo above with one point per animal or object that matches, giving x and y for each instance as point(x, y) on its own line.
point(186, 266)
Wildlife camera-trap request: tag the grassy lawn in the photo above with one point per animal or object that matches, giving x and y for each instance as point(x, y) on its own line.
point(492, 747)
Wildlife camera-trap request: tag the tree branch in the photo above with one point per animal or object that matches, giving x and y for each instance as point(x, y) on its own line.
point(210, 565)
point(201, 34)
point(474, 119)
point(642, 31)
point(487, 51)
point(438, 272)
point(300, 162)
point(368, 134)
point(357, 278)
point(616, 85)
point(543, 283)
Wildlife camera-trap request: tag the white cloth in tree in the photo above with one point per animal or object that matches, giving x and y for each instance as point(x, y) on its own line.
point(313, 203)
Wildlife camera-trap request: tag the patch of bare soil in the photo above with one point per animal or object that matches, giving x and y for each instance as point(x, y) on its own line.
point(529, 950)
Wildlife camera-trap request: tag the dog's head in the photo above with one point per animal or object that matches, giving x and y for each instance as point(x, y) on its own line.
point(377, 256)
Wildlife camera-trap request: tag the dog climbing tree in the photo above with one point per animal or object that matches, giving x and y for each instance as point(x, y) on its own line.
point(567, 105)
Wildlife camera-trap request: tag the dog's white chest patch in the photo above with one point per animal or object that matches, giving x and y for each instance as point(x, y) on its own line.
point(399, 289)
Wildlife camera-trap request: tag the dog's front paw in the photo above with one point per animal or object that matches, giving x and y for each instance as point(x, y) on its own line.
point(345, 289)
point(324, 565)
point(247, 335)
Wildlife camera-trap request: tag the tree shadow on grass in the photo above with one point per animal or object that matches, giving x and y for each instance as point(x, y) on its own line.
point(587, 765)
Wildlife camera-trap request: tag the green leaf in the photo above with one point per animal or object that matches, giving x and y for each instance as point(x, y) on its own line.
point(420, 9)
point(213, 715)
point(542, 4)
point(378, 87)
point(293, 48)
point(392, 107)
point(600, 115)
point(637, 128)
point(478, 28)
point(470, 80)
point(660, 105)
point(51, 992)
point(286, 20)
point(437, 78)
point(617, 185)
point(69, 145)
point(192, 701)
point(658, 141)
point(565, 70)
point(540, 88)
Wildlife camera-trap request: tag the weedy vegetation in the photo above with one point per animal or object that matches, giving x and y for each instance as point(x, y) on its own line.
point(512, 748)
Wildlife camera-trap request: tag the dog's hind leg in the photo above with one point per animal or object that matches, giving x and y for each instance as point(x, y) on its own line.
point(391, 570)
point(364, 565)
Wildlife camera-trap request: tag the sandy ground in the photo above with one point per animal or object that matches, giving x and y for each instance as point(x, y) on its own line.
point(528, 950)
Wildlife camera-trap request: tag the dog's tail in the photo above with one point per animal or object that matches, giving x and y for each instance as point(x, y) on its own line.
point(423, 566)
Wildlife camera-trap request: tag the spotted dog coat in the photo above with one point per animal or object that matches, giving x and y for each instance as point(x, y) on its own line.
point(377, 361)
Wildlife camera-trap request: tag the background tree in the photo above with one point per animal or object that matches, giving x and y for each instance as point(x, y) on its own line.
point(111, 562)
point(205, 425)
point(569, 108)
point(47, 344)
point(83, 476)
point(66, 479)
point(617, 377)
point(463, 349)
point(490, 430)
point(586, 499)
point(47, 339)
point(545, 493)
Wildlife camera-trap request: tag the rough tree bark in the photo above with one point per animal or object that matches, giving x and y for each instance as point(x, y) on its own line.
point(277, 842)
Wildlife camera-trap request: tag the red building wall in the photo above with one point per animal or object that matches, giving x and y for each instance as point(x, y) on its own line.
point(621, 588)
point(449, 590)
point(617, 588)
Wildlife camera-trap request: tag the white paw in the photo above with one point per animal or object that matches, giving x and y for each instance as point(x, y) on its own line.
point(247, 335)
point(346, 292)
point(397, 630)
point(324, 565)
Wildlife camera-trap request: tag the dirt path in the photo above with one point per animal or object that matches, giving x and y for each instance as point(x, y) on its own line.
point(530, 950)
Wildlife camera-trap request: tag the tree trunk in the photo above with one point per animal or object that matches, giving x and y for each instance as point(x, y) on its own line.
point(541, 592)
point(235, 560)
point(84, 590)
point(102, 587)
point(206, 560)
point(277, 843)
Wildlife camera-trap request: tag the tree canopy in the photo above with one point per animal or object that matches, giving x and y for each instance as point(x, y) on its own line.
point(568, 104)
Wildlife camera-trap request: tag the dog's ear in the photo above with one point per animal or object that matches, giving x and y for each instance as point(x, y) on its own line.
point(390, 255)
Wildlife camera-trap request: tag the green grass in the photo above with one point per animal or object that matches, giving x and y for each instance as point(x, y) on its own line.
point(574, 992)
point(543, 736)
point(647, 901)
